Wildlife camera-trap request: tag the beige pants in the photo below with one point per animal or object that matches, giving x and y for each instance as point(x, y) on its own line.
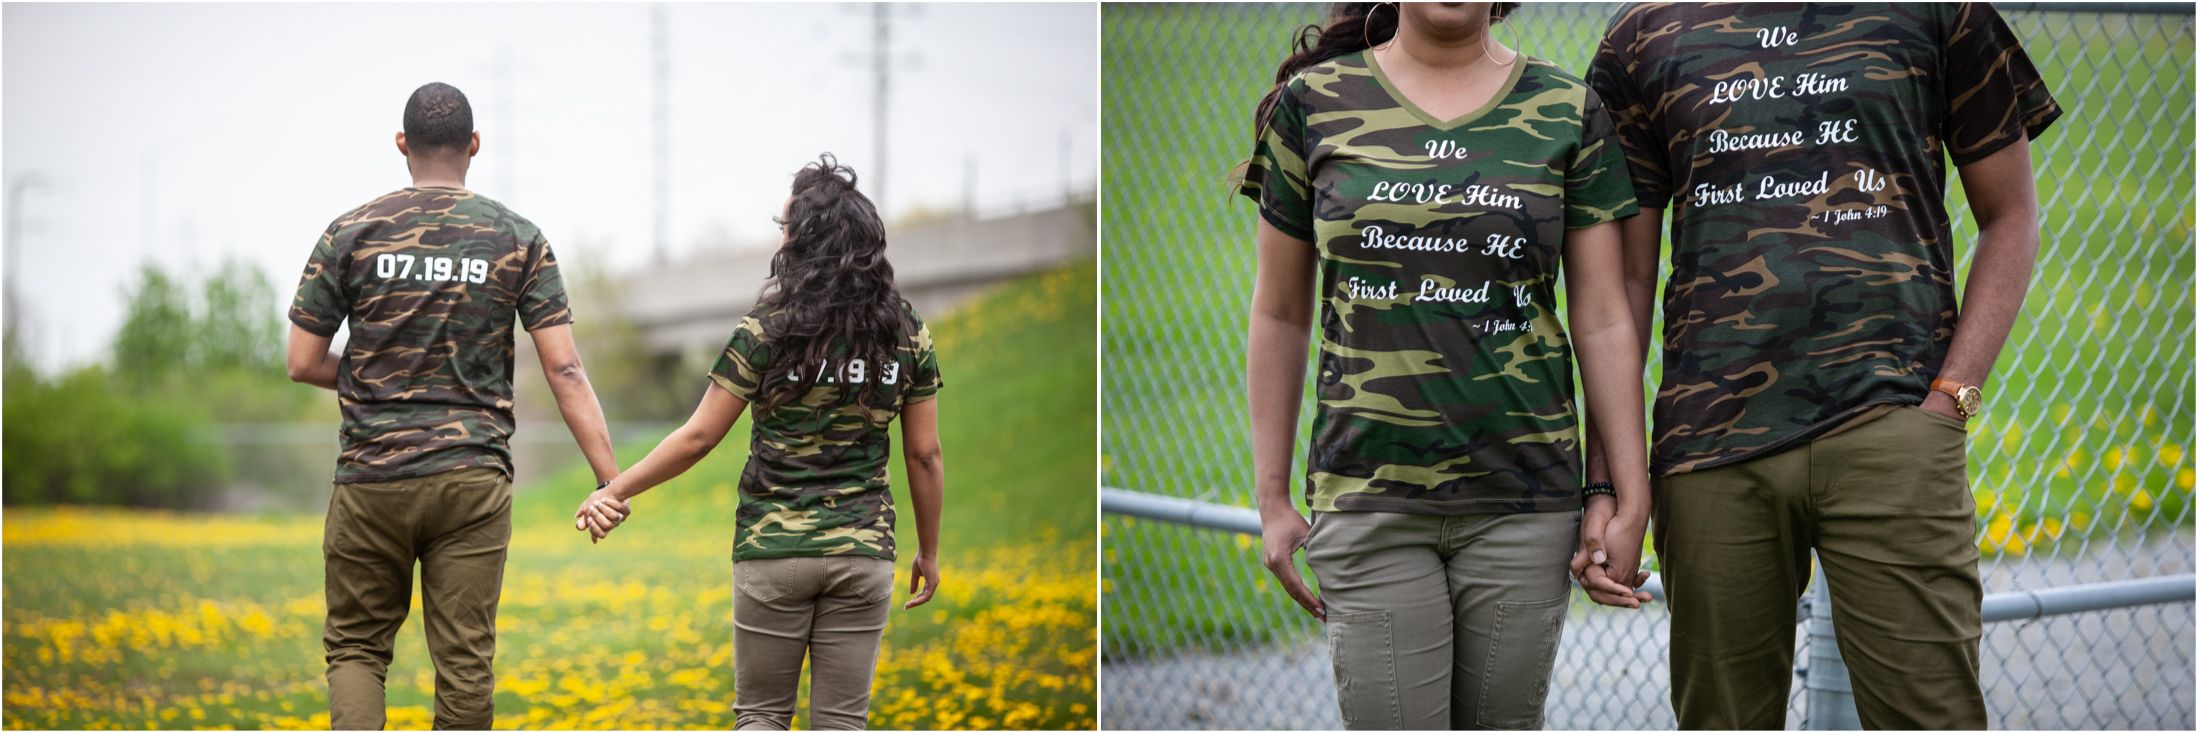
point(830, 610)
point(456, 527)
point(1443, 622)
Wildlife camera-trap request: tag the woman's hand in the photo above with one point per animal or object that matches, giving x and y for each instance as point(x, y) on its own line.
point(1591, 565)
point(922, 580)
point(1281, 535)
point(601, 512)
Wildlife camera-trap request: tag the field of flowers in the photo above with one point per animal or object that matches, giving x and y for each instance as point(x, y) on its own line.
point(118, 618)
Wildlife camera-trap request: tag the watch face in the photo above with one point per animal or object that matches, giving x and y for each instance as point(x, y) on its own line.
point(1970, 401)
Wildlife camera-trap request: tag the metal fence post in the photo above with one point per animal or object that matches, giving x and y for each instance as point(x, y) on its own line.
point(1830, 692)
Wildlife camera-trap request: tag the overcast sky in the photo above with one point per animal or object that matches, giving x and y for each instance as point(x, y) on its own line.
point(186, 134)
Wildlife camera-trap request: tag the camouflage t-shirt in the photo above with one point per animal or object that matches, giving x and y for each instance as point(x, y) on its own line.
point(1801, 150)
point(1444, 375)
point(815, 484)
point(429, 279)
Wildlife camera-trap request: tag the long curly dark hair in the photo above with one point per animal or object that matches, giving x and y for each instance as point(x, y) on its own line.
point(830, 296)
point(1350, 28)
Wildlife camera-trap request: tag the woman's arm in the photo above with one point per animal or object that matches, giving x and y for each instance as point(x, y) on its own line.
point(1607, 348)
point(607, 506)
point(1281, 327)
point(926, 463)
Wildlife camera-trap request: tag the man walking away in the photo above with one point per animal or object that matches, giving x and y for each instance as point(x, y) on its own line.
point(430, 278)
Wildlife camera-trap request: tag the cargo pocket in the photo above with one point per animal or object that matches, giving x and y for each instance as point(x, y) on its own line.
point(1521, 653)
point(1364, 651)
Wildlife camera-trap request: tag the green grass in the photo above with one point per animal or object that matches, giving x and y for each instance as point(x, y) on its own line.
point(2095, 379)
point(137, 619)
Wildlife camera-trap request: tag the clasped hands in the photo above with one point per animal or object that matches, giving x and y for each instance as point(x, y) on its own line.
point(1607, 564)
point(600, 513)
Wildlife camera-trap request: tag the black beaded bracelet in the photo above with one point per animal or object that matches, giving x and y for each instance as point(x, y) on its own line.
point(1606, 489)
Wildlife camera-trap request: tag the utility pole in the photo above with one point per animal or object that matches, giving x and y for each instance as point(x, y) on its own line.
point(11, 300)
point(880, 62)
point(1067, 146)
point(880, 59)
point(152, 167)
point(968, 187)
point(661, 45)
point(507, 176)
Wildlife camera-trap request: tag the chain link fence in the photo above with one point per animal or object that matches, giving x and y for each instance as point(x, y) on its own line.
point(2079, 464)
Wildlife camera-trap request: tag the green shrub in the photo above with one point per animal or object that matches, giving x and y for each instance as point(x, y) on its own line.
point(80, 439)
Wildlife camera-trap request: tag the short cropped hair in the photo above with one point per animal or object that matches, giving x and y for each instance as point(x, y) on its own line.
point(438, 118)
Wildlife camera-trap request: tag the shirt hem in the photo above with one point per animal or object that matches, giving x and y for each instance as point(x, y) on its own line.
point(1667, 468)
point(739, 555)
point(1423, 507)
point(410, 474)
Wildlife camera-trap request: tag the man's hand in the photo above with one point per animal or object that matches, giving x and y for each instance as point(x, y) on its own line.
point(1621, 540)
point(601, 512)
point(1943, 403)
point(922, 580)
point(1282, 534)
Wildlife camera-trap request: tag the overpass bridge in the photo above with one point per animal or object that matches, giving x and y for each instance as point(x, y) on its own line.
point(685, 309)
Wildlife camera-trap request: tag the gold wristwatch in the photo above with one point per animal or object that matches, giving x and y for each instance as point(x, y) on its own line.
point(1967, 400)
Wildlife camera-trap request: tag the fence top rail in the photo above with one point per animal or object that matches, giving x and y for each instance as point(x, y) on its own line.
point(1996, 607)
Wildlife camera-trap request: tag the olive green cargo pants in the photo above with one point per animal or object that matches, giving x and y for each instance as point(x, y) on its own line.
point(832, 611)
point(1443, 622)
point(456, 526)
point(1886, 507)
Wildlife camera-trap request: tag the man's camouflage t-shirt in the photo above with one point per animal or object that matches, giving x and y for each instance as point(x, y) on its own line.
point(1801, 151)
point(429, 279)
point(1444, 376)
point(815, 484)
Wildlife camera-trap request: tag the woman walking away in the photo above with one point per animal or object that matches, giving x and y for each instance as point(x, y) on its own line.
point(830, 355)
point(1431, 183)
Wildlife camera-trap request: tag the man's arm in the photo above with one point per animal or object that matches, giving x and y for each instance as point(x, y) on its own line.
point(575, 397)
point(1640, 243)
point(309, 359)
point(2003, 196)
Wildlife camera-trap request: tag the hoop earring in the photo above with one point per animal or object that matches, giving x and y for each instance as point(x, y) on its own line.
point(1365, 30)
point(1488, 47)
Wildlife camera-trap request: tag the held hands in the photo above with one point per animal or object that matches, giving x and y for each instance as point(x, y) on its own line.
point(1282, 533)
point(600, 513)
point(1607, 564)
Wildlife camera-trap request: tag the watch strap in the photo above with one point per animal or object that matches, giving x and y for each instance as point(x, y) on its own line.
point(1950, 387)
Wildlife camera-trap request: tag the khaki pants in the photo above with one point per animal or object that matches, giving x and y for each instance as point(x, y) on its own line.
point(1886, 507)
point(829, 609)
point(456, 525)
point(1443, 622)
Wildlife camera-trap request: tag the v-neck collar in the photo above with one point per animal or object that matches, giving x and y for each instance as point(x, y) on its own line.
point(1517, 69)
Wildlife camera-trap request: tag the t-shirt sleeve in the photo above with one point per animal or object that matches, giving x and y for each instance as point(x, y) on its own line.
point(925, 382)
point(1596, 187)
point(321, 303)
point(1276, 176)
point(1994, 95)
point(542, 301)
point(1611, 78)
point(740, 368)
